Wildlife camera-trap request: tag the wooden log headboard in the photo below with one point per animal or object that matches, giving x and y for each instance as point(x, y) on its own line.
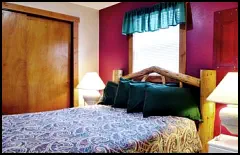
point(207, 83)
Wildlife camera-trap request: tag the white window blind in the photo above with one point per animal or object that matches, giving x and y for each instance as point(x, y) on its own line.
point(159, 48)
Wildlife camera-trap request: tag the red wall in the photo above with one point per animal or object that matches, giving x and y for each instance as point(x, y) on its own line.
point(113, 46)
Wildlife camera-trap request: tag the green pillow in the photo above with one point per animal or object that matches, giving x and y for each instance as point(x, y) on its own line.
point(172, 84)
point(109, 93)
point(137, 96)
point(174, 101)
point(121, 98)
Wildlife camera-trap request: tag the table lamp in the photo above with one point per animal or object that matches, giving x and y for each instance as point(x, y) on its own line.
point(91, 83)
point(226, 92)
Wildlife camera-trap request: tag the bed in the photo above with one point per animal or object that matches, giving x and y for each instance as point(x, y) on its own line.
point(100, 128)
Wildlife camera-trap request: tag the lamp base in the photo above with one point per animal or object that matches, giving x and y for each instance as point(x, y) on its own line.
point(91, 96)
point(229, 118)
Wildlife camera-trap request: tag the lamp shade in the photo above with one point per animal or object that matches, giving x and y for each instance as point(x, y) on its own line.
point(226, 91)
point(91, 81)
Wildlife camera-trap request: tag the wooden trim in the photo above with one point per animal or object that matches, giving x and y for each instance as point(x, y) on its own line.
point(183, 44)
point(75, 64)
point(177, 76)
point(130, 54)
point(207, 109)
point(182, 48)
point(40, 12)
point(58, 16)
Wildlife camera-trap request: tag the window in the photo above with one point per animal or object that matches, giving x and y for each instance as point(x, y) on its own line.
point(165, 48)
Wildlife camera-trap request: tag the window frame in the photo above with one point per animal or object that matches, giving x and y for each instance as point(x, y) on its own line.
point(182, 50)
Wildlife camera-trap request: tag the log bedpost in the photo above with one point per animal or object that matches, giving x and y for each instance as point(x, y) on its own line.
point(206, 128)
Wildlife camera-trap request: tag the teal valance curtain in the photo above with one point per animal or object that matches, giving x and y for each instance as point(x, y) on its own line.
point(159, 16)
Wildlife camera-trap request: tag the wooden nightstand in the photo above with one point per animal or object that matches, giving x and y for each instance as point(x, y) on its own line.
point(226, 144)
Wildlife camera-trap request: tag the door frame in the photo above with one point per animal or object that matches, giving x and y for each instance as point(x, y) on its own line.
point(74, 40)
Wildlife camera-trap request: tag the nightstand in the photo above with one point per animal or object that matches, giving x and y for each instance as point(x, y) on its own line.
point(226, 144)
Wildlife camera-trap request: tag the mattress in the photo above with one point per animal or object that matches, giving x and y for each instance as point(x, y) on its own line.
point(97, 128)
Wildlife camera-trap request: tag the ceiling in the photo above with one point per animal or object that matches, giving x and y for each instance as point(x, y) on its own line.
point(95, 5)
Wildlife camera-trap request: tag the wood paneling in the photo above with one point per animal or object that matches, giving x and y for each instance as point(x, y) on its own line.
point(48, 68)
point(14, 84)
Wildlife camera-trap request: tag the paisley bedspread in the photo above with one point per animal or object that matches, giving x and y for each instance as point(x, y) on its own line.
point(97, 128)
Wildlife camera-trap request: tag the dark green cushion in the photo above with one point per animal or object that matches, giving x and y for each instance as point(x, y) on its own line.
point(109, 93)
point(172, 84)
point(121, 98)
point(137, 96)
point(174, 101)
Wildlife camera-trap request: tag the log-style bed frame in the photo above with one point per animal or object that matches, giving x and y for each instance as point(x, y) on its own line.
point(207, 83)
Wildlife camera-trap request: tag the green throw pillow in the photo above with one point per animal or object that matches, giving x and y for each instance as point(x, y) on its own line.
point(172, 84)
point(122, 94)
point(174, 101)
point(137, 96)
point(109, 93)
point(121, 97)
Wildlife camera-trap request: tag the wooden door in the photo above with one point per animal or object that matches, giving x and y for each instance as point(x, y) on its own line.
point(48, 69)
point(45, 69)
point(14, 61)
